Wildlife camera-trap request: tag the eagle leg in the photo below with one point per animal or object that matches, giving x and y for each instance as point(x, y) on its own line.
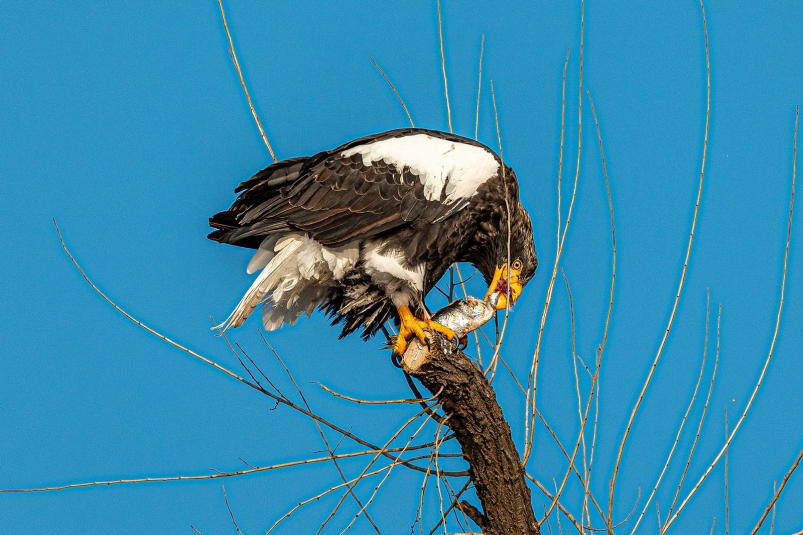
point(410, 327)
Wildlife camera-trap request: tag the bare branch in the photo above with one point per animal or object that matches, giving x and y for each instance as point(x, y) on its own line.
point(774, 334)
point(376, 489)
point(385, 76)
point(479, 90)
point(454, 504)
point(577, 443)
point(374, 402)
point(414, 389)
point(727, 505)
point(562, 232)
point(453, 494)
point(233, 375)
point(301, 504)
point(242, 82)
point(559, 505)
point(613, 268)
point(702, 419)
point(682, 275)
point(492, 365)
point(349, 491)
point(231, 514)
point(771, 505)
point(217, 474)
point(774, 490)
point(682, 423)
point(443, 68)
point(437, 468)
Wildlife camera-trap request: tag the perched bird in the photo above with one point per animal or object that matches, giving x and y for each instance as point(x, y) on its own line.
point(364, 231)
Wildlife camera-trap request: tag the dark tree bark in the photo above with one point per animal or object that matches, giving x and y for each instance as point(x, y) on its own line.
point(477, 421)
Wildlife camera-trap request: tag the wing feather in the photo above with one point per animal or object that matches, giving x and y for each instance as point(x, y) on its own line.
point(338, 197)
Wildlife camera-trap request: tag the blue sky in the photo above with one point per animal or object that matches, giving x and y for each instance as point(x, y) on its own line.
point(127, 124)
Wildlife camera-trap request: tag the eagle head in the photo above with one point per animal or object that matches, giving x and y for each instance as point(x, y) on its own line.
point(507, 274)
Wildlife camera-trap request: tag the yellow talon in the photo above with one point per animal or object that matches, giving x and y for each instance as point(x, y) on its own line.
point(410, 327)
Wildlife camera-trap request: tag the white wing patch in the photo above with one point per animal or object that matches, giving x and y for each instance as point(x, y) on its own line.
point(389, 269)
point(457, 169)
point(392, 262)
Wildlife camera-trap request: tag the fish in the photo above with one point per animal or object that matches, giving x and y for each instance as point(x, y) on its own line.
point(466, 315)
point(461, 316)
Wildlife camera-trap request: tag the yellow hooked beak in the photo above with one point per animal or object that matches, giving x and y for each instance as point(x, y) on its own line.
point(506, 280)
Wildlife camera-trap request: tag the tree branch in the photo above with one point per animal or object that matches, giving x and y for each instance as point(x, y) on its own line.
point(476, 419)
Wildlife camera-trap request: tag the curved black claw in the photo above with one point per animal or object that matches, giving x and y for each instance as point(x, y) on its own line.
point(462, 343)
point(396, 359)
point(455, 343)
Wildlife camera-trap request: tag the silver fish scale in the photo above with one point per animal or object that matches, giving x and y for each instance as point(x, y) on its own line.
point(464, 316)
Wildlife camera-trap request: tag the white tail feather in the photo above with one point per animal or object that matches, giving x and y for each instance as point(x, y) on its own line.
point(297, 273)
point(264, 254)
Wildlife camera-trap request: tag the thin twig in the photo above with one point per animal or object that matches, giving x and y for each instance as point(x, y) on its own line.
point(242, 82)
point(443, 68)
point(587, 483)
point(603, 344)
point(494, 359)
point(420, 398)
point(350, 490)
point(376, 489)
point(559, 505)
point(377, 402)
point(385, 76)
point(774, 490)
point(327, 491)
point(682, 422)
point(452, 493)
point(562, 137)
point(577, 443)
point(557, 440)
point(479, 90)
point(702, 419)
point(581, 436)
point(532, 380)
point(548, 524)
point(727, 505)
point(529, 423)
point(437, 468)
point(420, 512)
point(354, 481)
point(215, 475)
point(771, 505)
point(682, 276)
point(230, 373)
point(774, 334)
point(231, 514)
point(454, 504)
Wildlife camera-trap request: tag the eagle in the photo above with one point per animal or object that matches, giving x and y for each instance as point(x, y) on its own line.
point(364, 232)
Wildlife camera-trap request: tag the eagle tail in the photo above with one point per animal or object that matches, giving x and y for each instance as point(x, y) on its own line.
point(276, 275)
point(298, 274)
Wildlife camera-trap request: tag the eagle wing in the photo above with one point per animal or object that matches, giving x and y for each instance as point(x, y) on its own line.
point(372, 185)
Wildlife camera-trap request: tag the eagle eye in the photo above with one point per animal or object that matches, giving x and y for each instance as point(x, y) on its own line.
point(517, 265)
